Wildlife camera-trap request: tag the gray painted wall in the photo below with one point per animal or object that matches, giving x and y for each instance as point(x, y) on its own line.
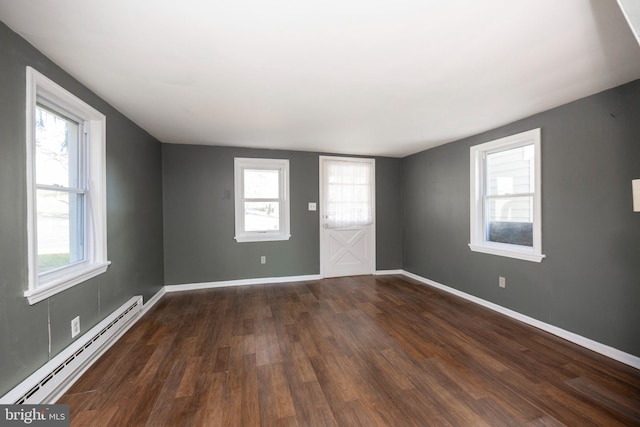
point(388, 213)
point(134, 221)
point(199, 217)
point(589, 283)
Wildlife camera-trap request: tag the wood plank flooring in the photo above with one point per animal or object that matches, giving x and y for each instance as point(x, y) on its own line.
point(358, 351)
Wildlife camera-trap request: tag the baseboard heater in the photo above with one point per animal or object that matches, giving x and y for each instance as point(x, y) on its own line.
point(47, 384)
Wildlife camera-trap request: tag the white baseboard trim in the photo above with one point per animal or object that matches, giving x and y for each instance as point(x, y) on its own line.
point(153, 301)
point(605, 350)
point(387, 272)
point(240, 282)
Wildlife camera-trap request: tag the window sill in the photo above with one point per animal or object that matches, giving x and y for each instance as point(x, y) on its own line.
point(262, 238)
point(507, 252)
point(67, 281)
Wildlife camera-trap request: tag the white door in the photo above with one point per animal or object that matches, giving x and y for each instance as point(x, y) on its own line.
point(347, 216)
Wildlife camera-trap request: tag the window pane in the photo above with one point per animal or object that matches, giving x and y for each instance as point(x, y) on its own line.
point(57, 149)
point(510, 171)
point(60, 229)
point(261, 216)
point(261, 184)
point(347, 193)
point(510, 220)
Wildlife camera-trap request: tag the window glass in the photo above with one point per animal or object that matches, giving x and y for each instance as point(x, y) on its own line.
point(261, 216)
point(348, 193)
point(60, 225)
point(510, 220)
point(509, 184)
point(57, 149)
point(59, 197)
point(510, 171)
point(261, 184)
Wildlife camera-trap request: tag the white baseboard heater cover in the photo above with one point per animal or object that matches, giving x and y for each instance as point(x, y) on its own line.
point(53, 379)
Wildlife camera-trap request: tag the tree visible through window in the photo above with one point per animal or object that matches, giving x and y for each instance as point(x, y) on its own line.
point(61, 190)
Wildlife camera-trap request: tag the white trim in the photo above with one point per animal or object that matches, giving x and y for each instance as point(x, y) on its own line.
point(65, 282)
point(510, 251)
point(635, 194)
point(153, 301)
point(477, 239)
point(32, 265)
point(240, 282)
point(280, 165)
point(605, 350)
point(262, 237)
point(40, 288)
point(388, 272)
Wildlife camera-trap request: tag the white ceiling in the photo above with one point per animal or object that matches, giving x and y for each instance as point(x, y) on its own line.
point(375, 77)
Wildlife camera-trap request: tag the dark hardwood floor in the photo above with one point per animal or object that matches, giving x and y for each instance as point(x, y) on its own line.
point(359, 351)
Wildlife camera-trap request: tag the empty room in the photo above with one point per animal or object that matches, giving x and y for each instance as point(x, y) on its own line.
point(336, 213)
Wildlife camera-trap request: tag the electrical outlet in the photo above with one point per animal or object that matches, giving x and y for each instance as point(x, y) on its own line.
point(75, 326)
point(263, 259)
point(502, 282)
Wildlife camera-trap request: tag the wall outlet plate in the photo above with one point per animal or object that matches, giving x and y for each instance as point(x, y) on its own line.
point(312, 206)
point(263, 259)
point(502, 282)
point(75, 326)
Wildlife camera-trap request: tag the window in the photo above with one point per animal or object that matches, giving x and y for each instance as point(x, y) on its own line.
point(66, 205)
point(505, 197)
point(348, 193)
point(262, 199)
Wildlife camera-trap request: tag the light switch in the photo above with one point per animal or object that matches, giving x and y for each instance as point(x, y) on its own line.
point(312, 206)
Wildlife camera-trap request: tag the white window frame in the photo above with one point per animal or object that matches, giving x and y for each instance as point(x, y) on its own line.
point(478, 240)
point(282, 166)
point(45, 285)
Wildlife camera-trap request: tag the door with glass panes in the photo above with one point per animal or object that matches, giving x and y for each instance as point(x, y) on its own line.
point(347, 216)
